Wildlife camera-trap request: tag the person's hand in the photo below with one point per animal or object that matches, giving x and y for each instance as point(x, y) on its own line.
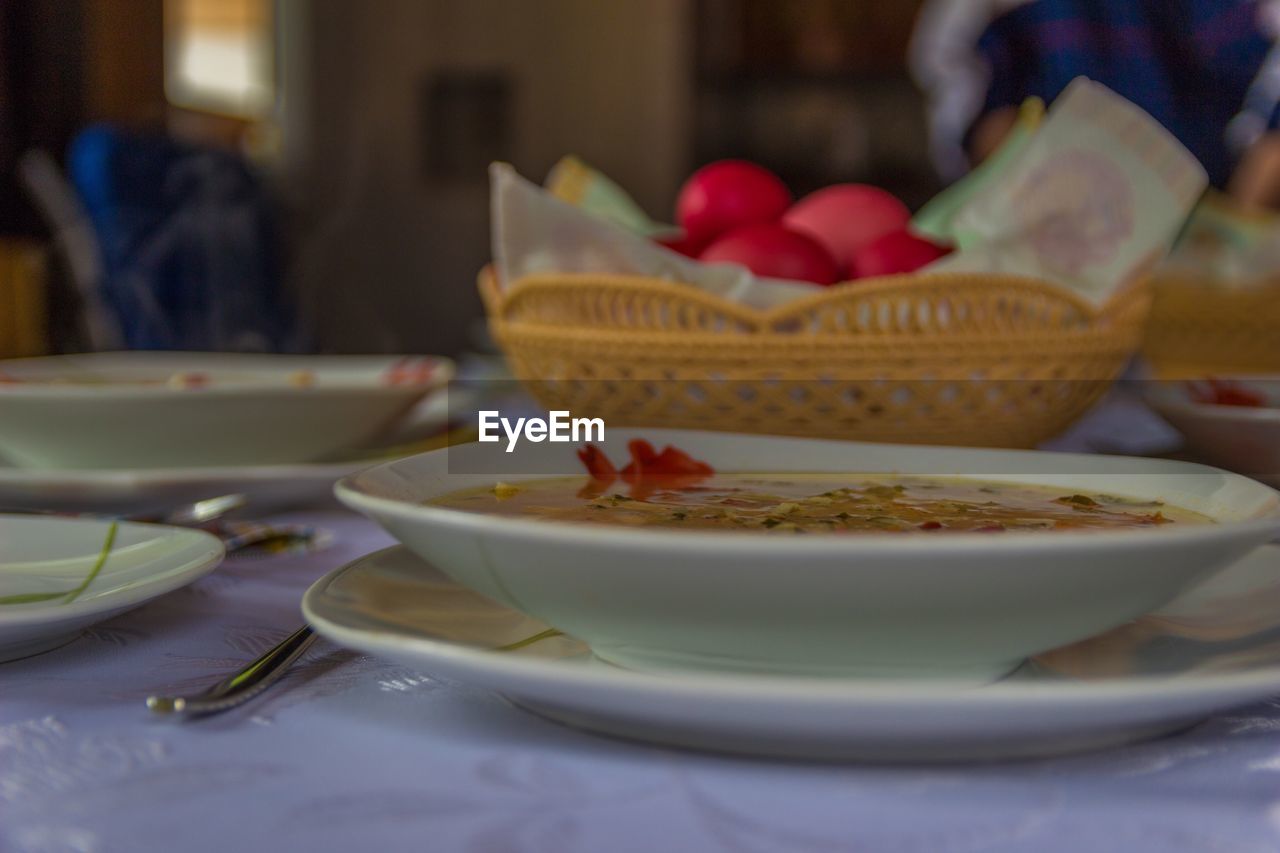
point(1256, 182)
point(989, 132)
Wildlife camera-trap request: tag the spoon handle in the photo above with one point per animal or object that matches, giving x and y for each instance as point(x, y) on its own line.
point(243, 685)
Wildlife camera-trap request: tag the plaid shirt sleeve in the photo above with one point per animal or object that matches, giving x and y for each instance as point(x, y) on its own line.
point(1192, 64)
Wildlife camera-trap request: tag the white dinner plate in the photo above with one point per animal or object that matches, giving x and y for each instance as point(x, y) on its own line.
point(163, 410)
point(1214, 648)
point(47, 555)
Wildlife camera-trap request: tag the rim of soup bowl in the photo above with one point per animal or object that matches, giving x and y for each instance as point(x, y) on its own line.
point(352, 495)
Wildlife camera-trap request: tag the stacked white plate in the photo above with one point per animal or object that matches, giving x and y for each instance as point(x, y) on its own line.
point(1213, 649)
point(130, 432)
point(826, 646)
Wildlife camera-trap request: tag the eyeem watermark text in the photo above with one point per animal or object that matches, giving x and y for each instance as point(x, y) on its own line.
point(557, 427)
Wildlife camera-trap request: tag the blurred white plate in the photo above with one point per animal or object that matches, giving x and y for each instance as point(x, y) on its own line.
point(147, 491)
point(42, 555)
point(266, 488)
point(158, 410)
point(1245, 439)
point(1214, 648)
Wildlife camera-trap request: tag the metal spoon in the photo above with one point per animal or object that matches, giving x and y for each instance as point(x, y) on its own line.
point(255, 678)
point(239, 688)
point(202, 512)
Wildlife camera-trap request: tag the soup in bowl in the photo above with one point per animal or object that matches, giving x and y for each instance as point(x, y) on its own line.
point(812, 557)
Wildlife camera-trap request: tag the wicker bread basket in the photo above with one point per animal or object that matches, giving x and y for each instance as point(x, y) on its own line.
point(1200, 328)
point(946, 359)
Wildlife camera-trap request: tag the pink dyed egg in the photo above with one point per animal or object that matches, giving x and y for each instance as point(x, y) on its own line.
point(846, 217)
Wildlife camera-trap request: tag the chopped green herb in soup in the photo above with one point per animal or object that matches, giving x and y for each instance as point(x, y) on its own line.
point(819, 503)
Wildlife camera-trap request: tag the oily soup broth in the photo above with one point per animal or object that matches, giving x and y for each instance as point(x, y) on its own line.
point(812, 503)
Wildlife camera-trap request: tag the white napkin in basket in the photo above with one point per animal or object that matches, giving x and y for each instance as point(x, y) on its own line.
point(535, 232)
point(1092, 203)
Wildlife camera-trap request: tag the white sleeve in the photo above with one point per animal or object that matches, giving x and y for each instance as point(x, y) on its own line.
point(1262, 100)
point(945, 63)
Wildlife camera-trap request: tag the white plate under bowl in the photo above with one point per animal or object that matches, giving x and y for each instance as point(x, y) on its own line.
point(1240, 438)
point(1215, 648)
point(116, 410)
point(966, 606)
point(39, 555)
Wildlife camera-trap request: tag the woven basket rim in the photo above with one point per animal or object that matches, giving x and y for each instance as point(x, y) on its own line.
point(1065, 338)
point(495, 297)
point(821, 340)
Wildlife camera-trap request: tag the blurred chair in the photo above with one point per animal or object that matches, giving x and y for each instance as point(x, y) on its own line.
point(23, 299)
point(76, 245)
point(187, 241)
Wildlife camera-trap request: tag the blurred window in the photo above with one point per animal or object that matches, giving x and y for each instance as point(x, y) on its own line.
point(219, 57)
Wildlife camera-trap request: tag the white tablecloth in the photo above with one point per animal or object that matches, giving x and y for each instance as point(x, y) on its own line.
point(351, 753)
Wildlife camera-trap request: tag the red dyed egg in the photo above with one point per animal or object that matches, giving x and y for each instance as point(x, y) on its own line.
point(727, 194)
point(846, 217)
point(897, 252)
point(682, 244)
point(772, 251)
